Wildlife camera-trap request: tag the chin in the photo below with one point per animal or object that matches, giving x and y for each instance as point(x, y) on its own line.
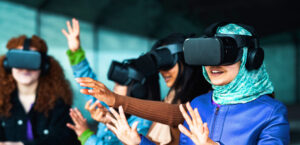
point(218, 82)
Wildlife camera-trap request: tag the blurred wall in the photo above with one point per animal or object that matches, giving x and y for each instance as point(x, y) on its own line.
point(100, 44)
point(103, 45)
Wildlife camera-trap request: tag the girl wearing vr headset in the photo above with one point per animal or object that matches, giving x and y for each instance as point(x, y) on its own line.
point(239, 110)
point(185, 82)
point(81, 68)
point(34, 102)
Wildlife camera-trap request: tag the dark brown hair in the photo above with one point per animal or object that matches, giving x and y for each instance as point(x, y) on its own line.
point(52, 86)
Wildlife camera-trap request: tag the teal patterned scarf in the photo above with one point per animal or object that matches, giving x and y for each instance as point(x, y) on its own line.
point(248, 85)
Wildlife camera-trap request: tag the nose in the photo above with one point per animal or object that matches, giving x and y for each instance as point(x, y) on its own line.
point(162, 72)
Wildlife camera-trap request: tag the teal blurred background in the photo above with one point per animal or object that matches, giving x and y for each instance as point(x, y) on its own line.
point(118, 30)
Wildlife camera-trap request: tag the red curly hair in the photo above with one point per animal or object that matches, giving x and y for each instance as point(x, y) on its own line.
point(52, 86)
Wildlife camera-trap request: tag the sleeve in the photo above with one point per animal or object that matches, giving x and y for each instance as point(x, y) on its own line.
point(81, 68)
point(152, 110)
point(143, 126)
point(1, 131)
point(85, 136)
point(277, 128)
point(58, 132)
point(76, 57)
point(145, 141)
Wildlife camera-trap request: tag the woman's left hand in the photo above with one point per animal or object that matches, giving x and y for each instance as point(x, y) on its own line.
point(11, 143)
point(198, 130)
point(121, 128)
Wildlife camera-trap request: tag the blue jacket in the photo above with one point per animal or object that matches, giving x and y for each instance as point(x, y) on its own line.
point(105, 136)
point(259, 122)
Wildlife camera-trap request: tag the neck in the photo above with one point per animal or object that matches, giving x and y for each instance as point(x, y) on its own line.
point(27, 90)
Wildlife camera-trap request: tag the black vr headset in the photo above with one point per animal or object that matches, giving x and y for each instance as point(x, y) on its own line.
point(165, 56)
point(125, 74)
point(223, 49)
point(26, 59)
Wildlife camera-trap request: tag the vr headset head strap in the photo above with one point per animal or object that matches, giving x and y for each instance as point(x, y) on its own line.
point(135, 75)
point(26, 44)
point(173, 48)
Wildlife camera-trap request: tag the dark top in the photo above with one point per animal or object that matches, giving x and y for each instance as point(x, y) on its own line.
point(49, 130)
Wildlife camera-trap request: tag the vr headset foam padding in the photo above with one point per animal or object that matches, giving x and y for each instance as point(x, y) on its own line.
point(24, 59)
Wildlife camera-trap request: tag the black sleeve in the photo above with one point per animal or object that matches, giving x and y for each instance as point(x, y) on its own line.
point(59, 133)
point(1, 131)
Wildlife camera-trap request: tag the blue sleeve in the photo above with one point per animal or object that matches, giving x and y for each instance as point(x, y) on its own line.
point(83, 69)
point(145, 141)
point(143, 126)
point(277, 130)
point(103, 137)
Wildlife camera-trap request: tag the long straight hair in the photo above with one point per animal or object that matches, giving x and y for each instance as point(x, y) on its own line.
point(190, 81)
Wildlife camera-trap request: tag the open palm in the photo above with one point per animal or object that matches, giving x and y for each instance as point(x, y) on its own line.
point(73, 35)
point(198, 130)
point(121, 128)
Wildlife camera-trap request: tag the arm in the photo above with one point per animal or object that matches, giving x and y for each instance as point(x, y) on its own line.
point(85, 136)
point(76, 55)
point(277, 129)
point(152, 110)
point(83, 69)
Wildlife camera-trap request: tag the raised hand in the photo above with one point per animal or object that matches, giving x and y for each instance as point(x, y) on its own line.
point(121, 128)
point(73, 35)
point(198, 130)
point(80, 122)
point(98, 90)
point(98, 112)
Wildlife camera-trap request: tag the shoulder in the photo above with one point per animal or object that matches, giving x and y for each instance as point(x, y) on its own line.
point(205, 99)
point(272, 104)
point(60, 104)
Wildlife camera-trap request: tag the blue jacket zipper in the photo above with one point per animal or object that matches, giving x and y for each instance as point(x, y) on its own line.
point(213, 123)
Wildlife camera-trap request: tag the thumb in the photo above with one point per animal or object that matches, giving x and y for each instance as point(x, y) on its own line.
point(69, 125)
point(134, 126)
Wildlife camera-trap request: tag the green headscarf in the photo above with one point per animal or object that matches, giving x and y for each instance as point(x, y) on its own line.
point(247, 85)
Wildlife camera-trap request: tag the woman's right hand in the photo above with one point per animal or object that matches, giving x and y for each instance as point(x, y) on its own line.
point(98, 90)
point(98, 112)
point(80, 123)
point(119, 126)
point(73, 35)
